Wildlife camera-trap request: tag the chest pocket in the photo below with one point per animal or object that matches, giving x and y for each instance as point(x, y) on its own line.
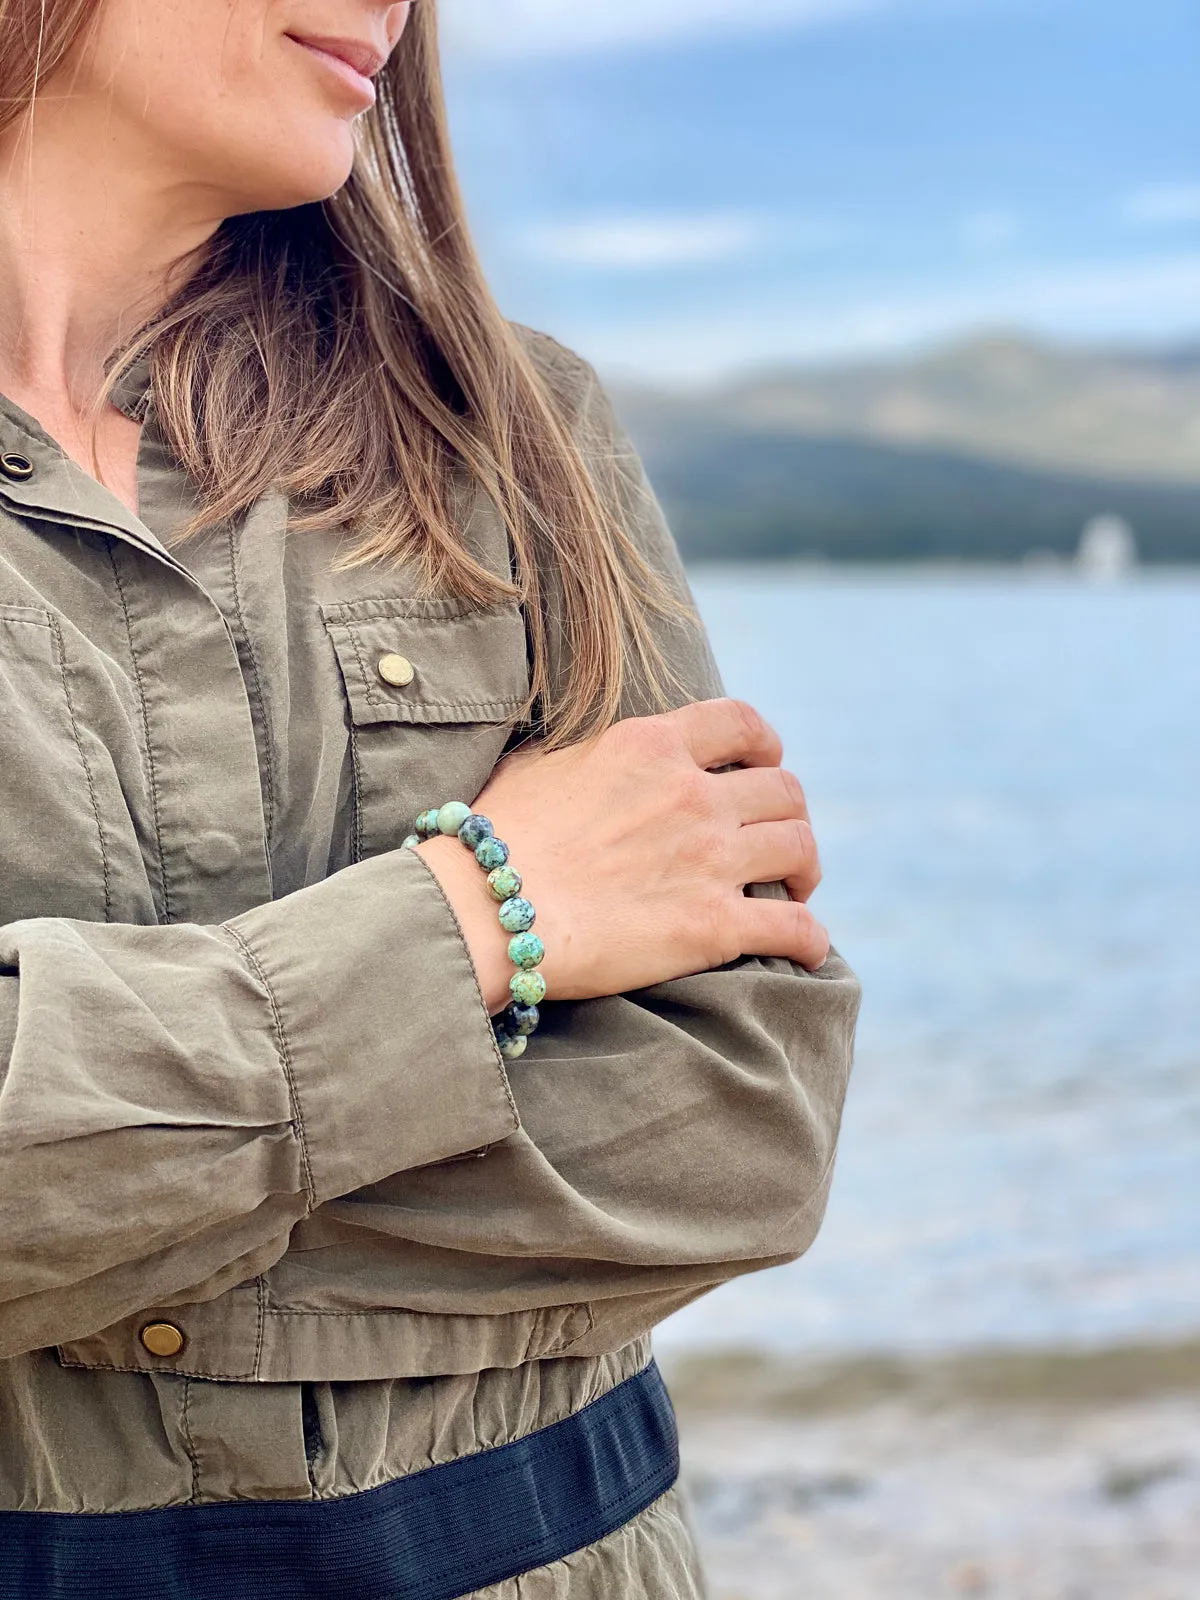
point(433, 688)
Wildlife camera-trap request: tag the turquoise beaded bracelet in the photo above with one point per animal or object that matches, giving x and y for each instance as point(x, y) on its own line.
point(525, 949)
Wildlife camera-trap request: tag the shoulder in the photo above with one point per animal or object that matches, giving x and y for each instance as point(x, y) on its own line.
point(572, 382)
point(552, 359)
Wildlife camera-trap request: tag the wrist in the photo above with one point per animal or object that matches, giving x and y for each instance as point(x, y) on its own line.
point(465, 887)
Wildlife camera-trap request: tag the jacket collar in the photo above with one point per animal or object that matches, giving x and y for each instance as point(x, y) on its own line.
point(60, 491)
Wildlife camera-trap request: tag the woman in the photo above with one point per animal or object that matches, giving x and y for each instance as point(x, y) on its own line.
point(311, 1283)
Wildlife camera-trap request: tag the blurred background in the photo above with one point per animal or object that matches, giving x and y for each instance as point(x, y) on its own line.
point(900, 300)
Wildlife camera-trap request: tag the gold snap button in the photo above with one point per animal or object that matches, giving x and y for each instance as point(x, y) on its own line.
point(162, 1338)
point(396, 670)
point(16, 466)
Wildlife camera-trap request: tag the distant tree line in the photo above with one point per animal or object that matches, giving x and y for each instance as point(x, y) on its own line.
point(752, 495)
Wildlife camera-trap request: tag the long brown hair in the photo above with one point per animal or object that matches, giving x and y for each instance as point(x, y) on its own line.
point(350, 354)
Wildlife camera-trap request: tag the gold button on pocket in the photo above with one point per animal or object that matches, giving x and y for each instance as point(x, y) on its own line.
point(396, 670)
point(162, 1339)
point(433, 719)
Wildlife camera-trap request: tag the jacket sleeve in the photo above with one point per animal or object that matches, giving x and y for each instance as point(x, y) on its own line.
point(173, 1099)
point(671, 1138)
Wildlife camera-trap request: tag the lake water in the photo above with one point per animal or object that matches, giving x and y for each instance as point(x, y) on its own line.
point(1004, 774)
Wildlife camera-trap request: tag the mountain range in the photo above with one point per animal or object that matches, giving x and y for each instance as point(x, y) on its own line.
point(995, 448)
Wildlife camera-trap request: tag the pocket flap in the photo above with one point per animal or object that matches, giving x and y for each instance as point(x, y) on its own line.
point(467, 664)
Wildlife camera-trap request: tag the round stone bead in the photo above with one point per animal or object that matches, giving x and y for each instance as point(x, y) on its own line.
point(452, 815)
point(525, 949)
point(492, 853)
point(527, 988)
point(519, 1019)
point(510, 1047)
point(504, 882)
point(426, 823)
point(411, 842)
point(517, 915)
point(475, 830)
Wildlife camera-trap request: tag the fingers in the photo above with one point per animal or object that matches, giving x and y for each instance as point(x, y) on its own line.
point(783, 928)
point(764, 794)
point(772, 851)
point(717, 732)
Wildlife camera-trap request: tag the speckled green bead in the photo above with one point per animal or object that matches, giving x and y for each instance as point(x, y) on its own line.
point(527, 988)
point(517, 915)
point(475, 830)
point(511, 1046)
point(411, 842)
point(452, 815)
point(517, 1019)
point(491, 853)
point(504, 882)
point(525, 949)
point(426, 824)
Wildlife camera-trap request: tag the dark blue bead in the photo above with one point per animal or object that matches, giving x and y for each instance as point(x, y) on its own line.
point(510, 1045)
point(516, 1018)
point(475, 830)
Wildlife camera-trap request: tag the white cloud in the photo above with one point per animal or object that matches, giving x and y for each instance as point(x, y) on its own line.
point(551, 27)
point(1163, 205)
point(641, 243)
point(1153, 299)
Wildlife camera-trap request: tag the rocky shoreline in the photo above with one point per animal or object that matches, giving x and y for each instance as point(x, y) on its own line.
point(1009, 1475)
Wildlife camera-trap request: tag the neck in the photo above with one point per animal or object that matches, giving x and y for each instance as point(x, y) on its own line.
point(93, 241)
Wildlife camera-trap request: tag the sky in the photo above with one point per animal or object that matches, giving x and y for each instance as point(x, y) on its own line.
point(684, 188)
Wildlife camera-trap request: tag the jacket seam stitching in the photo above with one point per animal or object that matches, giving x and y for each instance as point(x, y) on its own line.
point(345, 613)
point(151, 764)
point(260, 1332)
point(356, 764)
point(406, 708)
point(284, 1051)
point(537, 1312)
point(257, 692)
point(368, 688)
point(174, 1372)
point(354, 751)
point(188, 1442)
point(33, 616)
point(61, 655)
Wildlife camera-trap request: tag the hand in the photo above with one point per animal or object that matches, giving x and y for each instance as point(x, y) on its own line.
point(636, 853)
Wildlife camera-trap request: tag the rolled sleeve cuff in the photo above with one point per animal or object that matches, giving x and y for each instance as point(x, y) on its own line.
point(382, 1031)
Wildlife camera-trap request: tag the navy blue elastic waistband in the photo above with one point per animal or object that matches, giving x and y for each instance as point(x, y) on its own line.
point(432, 1535)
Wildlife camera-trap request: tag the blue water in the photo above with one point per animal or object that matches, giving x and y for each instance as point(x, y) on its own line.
point(1004, 774)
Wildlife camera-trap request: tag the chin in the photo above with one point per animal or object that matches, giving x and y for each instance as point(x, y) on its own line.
point(306, 171)
point(317, 179)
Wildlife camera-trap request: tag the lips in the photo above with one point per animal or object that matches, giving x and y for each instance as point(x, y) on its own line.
point(361, 57)
point(354, 62)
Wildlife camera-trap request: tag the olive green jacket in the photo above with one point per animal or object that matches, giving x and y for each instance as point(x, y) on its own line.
point(248, 1085)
